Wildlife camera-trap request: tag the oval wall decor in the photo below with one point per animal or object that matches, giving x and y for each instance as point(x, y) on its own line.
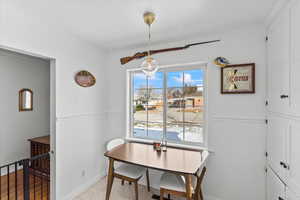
point(85, 79)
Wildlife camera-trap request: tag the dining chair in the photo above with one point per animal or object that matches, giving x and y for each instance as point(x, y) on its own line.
point(128, 172)
point(174, 184)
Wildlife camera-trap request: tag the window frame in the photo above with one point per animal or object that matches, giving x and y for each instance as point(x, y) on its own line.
point(167, 68)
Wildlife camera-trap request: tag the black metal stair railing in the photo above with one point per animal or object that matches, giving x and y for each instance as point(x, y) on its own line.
point(23, 180)
point(5, 180)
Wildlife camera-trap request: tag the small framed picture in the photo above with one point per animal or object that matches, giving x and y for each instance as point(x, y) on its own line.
point(85, 79)
point(238, 79)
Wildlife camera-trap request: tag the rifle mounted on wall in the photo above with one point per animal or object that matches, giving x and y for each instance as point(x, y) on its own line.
point(140, 55)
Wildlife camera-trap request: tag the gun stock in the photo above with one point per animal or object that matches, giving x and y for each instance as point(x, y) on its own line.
point(126, 60)
point(138, 55)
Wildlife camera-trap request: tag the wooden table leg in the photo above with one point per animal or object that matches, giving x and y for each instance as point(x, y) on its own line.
point(110, 178)
point(189, 187)
point(148, 181)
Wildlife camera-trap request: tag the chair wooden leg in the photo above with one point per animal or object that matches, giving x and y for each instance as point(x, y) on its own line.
point(189, 193)
point(110, 178)
point(196, 196)
point(122, 182)
point(201, 195)
point(169, 197)
point(148, 181)
point(136, 190)
point(161, 194)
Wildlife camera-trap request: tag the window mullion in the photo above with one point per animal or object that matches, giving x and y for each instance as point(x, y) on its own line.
point(184, 103)
point(147, 104)
point(165, 104)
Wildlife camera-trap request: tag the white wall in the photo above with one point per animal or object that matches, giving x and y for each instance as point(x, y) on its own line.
point(87, 117)
point(80, 115)
point(18, 72)
point(236, 122)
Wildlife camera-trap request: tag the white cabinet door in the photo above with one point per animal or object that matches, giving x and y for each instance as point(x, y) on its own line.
point(276, 144)
point(293, 155)
point(275, 188)
point(279, 63)
point(295, 58)
point(290, 195)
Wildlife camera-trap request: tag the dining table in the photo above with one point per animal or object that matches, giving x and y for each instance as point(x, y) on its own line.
point(182, 161)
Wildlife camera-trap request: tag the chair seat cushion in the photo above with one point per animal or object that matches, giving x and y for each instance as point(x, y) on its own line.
point(130, 171)
point(172, 182)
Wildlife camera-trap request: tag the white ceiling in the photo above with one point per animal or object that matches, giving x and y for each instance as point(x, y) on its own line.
point(118, 23)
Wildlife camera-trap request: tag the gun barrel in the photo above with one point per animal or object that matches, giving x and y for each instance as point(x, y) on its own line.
point(211, 41)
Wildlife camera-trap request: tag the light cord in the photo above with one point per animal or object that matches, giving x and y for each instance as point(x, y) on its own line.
point(149, 39)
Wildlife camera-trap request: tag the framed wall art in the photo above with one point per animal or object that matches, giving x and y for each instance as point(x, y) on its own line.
point(238, 79)
point(85, 79)
point(25, 100)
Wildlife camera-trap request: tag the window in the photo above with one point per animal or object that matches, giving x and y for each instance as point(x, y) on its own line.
point(170, 104)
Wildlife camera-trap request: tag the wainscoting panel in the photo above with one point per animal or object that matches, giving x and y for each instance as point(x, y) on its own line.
point(238, 160)
point(79, 154)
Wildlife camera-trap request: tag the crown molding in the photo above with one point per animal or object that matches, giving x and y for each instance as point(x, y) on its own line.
point(277, 7)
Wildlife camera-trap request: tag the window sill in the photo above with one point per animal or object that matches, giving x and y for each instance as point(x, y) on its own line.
point(192, 147)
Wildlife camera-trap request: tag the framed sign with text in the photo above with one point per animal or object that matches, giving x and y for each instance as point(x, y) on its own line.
point(238, 79)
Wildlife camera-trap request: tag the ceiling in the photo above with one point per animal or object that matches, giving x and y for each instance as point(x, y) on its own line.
point(118, 23)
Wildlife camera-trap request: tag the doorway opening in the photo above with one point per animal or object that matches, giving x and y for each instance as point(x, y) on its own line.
point(27, 133)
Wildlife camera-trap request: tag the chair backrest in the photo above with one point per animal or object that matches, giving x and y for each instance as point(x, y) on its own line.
point(113, 143)
point(204, 156)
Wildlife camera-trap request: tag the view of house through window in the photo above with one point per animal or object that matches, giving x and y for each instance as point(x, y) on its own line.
point(169, 104)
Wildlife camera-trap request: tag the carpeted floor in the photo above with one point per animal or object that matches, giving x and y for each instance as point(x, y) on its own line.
point(119, 192)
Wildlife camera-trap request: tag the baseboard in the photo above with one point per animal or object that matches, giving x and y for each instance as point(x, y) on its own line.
point(82, 188)
point(156, 187)
point(208, 197)
point(79, 190)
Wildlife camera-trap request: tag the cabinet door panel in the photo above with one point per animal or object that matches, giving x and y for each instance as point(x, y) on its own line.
point(275, 188)
point(279, 63)
point(291, 195)
point(293, 152)
point(295, 58)
point(276, 144)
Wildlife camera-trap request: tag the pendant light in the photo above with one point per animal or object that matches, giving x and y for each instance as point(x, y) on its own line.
point(149, 65)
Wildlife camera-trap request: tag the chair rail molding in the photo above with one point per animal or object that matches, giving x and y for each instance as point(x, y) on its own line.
point(285, 116)
point(81, 115)
point(246, 119)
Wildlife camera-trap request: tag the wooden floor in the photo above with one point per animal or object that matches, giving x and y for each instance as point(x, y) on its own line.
point(39, 187)
point(119, 192)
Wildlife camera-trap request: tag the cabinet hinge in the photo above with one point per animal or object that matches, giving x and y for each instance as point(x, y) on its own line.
point(267, 121)
point(267, 38)
point(267, 103)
